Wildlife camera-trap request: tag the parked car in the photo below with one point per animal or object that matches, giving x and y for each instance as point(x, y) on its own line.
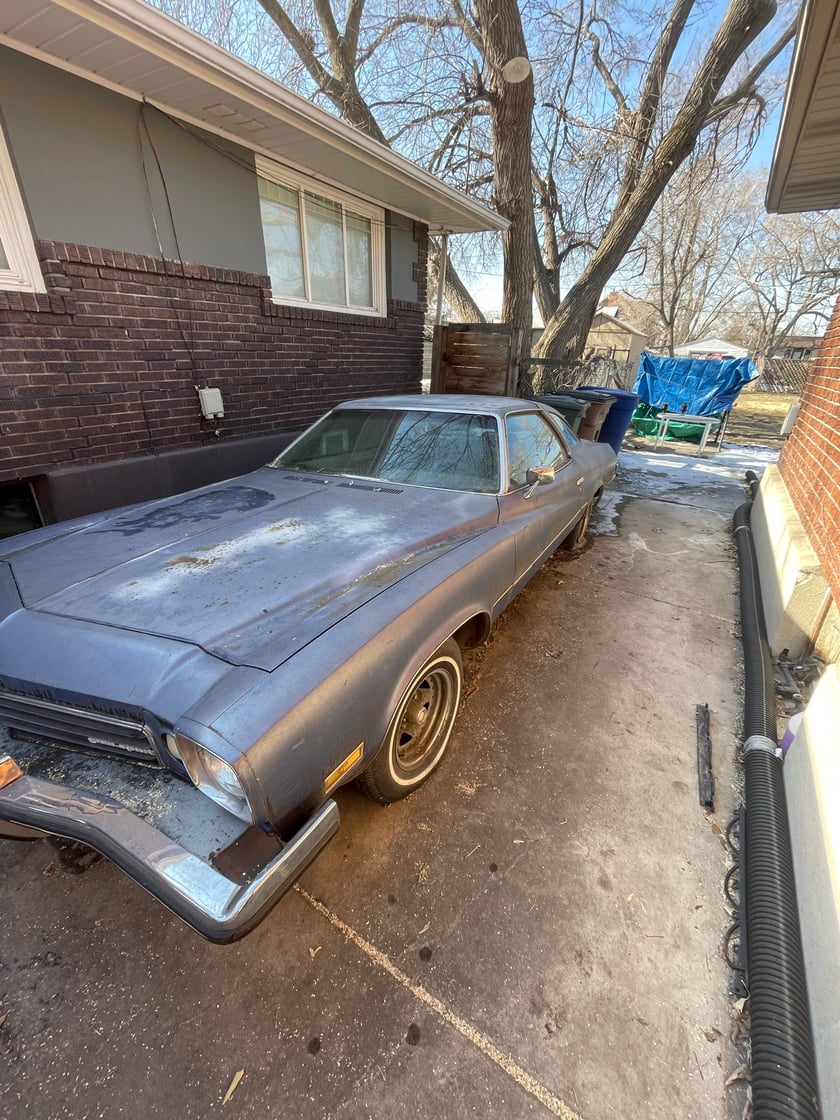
point(185, 683)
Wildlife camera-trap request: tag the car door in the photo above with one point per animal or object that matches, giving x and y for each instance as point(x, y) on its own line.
point(539, 516)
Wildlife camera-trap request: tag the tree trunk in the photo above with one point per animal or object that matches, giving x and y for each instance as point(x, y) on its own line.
point(462, 305)
point(511, 109)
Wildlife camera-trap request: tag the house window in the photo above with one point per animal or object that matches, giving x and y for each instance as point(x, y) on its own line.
point(19, 269)
point(322, 248)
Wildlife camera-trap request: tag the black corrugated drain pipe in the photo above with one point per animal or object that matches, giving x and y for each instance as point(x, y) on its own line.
point(784, 1079)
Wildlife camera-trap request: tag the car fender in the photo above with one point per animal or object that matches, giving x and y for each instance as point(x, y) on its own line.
point(341, 690)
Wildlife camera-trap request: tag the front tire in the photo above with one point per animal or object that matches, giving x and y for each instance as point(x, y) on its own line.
point(419, 732)
point(577, 538)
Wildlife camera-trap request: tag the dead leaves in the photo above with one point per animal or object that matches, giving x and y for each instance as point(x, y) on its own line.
point(742, 1073)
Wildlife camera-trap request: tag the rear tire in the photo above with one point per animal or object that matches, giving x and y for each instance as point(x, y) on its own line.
point(420, 728)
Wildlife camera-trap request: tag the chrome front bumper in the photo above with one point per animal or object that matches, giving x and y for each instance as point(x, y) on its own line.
point(221, 904)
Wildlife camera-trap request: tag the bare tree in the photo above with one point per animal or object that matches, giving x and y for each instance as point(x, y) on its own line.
point(707, 220)
point(656, 146)
point(789, 276)
point(578, 183)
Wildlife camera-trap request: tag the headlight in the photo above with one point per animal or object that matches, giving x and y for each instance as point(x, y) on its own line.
point(214, 777)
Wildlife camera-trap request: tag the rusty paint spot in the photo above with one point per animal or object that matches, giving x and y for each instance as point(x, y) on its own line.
point(191, 561)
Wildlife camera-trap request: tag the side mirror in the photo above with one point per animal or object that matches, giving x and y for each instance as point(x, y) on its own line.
point(538, 476)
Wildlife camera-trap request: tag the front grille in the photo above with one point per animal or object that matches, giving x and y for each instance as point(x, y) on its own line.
point(77, 728)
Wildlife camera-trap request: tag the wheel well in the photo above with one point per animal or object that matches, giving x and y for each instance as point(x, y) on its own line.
point(474, 632)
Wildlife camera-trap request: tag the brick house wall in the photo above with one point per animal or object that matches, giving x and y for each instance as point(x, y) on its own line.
point(105, 366)
point(810, 460)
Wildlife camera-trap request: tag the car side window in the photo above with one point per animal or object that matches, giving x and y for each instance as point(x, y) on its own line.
point(569, 436)
point(531, 442)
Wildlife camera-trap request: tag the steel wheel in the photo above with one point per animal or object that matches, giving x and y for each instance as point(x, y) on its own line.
point(420, 728)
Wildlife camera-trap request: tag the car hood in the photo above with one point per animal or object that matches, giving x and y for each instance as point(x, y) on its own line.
point(250, 570)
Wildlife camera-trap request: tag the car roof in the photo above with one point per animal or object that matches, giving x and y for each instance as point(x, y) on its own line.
point(447, 402)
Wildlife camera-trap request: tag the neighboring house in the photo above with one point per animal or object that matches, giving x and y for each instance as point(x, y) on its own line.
point(710, 348)
point(609, 337)
point(798, 525)
point(612, 337)
point(172, 221)
point(797, 347)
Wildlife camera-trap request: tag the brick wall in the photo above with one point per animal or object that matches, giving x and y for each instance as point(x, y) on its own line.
point(810, 461)
point(105, 365)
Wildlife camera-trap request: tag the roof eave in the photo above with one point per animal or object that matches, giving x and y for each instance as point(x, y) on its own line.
point(146, 27)
point(819, 23)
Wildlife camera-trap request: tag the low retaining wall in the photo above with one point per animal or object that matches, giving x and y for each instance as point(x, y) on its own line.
point(798, 608)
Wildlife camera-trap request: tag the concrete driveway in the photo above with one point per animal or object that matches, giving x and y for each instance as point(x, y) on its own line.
point(536, 932)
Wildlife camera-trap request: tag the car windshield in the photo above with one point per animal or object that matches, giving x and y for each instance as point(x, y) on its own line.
point(448, 450)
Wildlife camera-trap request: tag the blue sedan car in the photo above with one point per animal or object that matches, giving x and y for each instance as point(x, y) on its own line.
point(185, 683)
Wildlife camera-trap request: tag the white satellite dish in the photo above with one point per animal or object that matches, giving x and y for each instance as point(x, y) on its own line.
point(516, 69)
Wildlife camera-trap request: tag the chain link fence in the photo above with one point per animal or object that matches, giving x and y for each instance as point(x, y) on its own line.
point(553, 375)
point(782, 375)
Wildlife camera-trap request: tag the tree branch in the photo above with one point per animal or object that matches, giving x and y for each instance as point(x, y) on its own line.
point(651, 96)
point(746, 87)
point(609, 81)
point(408, 19)
point(332, 36)
point(352, 25)
point(299, 43)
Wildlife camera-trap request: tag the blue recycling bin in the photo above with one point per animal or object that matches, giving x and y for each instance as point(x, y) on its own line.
point(617, 420)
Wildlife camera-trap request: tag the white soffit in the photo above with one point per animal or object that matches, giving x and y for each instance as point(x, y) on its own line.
point(136, 50)
point(805, 173)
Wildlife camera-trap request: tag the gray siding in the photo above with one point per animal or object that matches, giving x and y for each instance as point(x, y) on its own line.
point(76, 148)
point(402, 256)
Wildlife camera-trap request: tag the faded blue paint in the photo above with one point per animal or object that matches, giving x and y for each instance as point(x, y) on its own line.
point(250, 570)
point(276, 620)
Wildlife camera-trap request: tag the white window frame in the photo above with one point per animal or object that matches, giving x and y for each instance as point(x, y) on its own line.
point(24, 272)
point(293, 181)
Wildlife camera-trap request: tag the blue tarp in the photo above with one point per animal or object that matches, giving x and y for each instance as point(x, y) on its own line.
point(704, 385)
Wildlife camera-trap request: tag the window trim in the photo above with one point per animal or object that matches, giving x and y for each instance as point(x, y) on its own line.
point(514, 488)
point(24, 271)
point(284, 177)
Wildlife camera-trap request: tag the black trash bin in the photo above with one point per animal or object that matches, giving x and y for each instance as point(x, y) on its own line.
point(572, 409)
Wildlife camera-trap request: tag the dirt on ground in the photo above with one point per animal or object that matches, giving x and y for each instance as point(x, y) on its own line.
point(757, 418)
point(755, 421)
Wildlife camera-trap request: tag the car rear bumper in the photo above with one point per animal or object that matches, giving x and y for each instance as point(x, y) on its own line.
point(222, 892)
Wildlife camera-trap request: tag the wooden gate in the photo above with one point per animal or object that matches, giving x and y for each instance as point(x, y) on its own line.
point(476, 358)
